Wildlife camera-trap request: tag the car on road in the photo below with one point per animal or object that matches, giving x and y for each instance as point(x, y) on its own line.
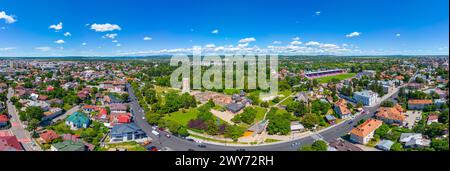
point(154, 132)
point(191, 149)
point(240, 149)
point(168, 135)
point(152, 148)
point(201, 145)
point(189, 139)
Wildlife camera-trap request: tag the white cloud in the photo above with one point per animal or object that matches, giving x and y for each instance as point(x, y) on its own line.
point(8, 18)
point(110, 36)
point(105, 27)
point(67, 34)
point(215, 31)
point(276, 42)
point(56, 27)
point(354, 34)
point(295, 42)
point(243, 45)
point(210, 46)
point(60, 41)
point(44, 48)
point(318, 12)
point(7, 48)
point(83, 44)
point(247, 40)
point(146, 38)
point(118, 45)
point(296, 38)
point(397, 35)
point(312, 43)
point(3, 28)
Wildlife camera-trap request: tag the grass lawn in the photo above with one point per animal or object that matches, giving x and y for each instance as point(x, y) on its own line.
point(269, 140)
point(130, 146)
point(340, 77)
point(183, 118)
point(162, 90)
point(287, 101)
point(260, 113)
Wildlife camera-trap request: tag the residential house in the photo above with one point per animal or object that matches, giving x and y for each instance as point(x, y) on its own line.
point(364, 132)
point(88, 108)
point(301, 97)
point(235, 107)
point(432, 118)
point(385, 145)
point(391, 115)
point(52, 113)
point(340, 107)
point(10, 143)
point(367, 97)
point(127, 132)
point(419, 104)
point(120, 118)
point(330, 119)
point(48, 136)
point(118, 108)
point(68, 145)
point(342, 145)
point(414, 140)
point(297, 127)
point(4, 120)
point(78, 120)
point(102, 115)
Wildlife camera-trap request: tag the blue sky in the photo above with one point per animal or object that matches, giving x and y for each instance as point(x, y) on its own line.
point(314, 27)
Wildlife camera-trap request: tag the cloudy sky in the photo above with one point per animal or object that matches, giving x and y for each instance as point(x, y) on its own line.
point(140, 27)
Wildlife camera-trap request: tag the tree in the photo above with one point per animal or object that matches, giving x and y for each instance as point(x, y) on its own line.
point(382, 130)
point(397, 147)
point(310, 120)
point(439, 145)
point(153, 118)
point(248, 116)
point(387, 103)
point(320, 146)
point(32, 125)
point(435, 129)
point(234, 132)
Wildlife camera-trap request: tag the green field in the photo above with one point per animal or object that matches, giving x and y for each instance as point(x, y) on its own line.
point(260, 113)
point(183, 118)
point(339, 77)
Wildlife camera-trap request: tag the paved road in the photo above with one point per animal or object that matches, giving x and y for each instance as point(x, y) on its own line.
point(67, 113)
point(18, 129)
point(180, 144)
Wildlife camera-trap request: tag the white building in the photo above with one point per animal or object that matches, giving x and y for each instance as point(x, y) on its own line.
point(367, 98)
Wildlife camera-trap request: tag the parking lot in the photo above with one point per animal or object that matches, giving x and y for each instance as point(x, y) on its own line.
point(412, 116)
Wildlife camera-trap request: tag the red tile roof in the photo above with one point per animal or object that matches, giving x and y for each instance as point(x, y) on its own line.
point(4, 118)
point(49, 136)
point(10, 143)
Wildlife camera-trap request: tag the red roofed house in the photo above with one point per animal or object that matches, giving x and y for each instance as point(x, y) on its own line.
point(102, 115)
point(10, 143)
point(3, 120)
point(391, 115)
point(120, 118)
point(88, 108)
point(419, 104)
point(48, 136)
point(50, 88)
point(432, 119)
point(364, 132)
